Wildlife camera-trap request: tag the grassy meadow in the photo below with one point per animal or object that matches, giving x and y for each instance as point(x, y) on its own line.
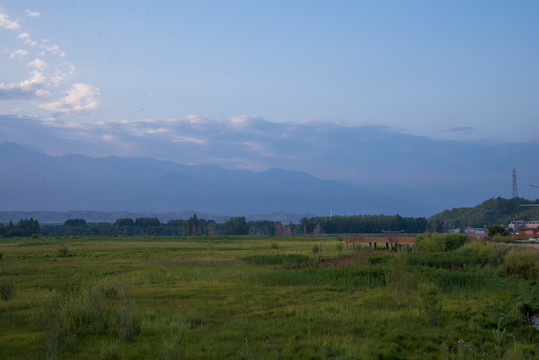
point(261, 298)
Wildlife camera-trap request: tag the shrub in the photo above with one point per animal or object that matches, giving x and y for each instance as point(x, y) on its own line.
point(64, 317)
point(274, 245)
point(492, 253)
point(497, 230)
point(6, 288)
point(524, 262)
point(129, 317)
point(483, 254)
point(316, 249)
point(429, 302)
point(62, 250)
point(430, 242)
point(172, 344)
point(400, 280)
point(454, 241)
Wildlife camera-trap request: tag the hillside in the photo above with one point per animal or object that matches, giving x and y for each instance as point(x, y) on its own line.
point(493, 211)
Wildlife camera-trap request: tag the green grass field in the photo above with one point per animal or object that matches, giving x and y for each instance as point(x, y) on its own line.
point(258, 298)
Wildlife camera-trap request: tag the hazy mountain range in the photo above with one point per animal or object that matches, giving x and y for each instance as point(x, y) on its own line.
point(33, 181)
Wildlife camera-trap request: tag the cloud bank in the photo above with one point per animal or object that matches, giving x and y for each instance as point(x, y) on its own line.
point(46, 85)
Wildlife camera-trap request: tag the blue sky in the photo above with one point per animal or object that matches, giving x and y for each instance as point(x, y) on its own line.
point(238, 83)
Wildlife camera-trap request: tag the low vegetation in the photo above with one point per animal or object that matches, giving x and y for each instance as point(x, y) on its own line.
point(264, 298)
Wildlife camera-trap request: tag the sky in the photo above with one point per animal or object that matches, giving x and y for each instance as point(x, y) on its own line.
point(336, 89)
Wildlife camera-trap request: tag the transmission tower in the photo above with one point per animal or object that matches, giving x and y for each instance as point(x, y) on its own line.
point(515, 187)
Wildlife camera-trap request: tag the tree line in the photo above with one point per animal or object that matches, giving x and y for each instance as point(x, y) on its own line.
point(23, 228)
point(365, 224)
point(195, 226)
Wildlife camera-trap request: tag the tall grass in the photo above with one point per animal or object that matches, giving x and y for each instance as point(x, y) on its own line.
point(471, 254)
point(277, 259)
point(346, 276)
point(234, 298)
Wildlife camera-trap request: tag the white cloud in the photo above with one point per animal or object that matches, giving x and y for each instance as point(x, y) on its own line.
point(62, 73)
point(38, 64)
point(6, 22)
point(240, 122)
point(25, 37)
point(55, 49)
point(34, 87)
point(189, 139)
point(80, 99)
point(31, 13)
point(197, 120)
point(18, 53)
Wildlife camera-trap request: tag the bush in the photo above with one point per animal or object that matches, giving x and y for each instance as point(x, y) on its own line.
point(524, 262)
point(497, 230)
point(400, 280)
point(484, 254)
point(429, 302)
point(62, 250)
point(430, 242)
point(454, 241)
point(6, 288)
point(129, 317)
point(64, 317)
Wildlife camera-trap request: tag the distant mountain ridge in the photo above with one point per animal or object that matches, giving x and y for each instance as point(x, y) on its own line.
point(31, 180)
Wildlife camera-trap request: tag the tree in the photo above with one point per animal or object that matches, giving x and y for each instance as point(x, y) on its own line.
point(497, 230)
point(236, 226)
point(147, 222)
point(75, 223)
point(24, 227)
point(127, 222)
point(192, 226)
